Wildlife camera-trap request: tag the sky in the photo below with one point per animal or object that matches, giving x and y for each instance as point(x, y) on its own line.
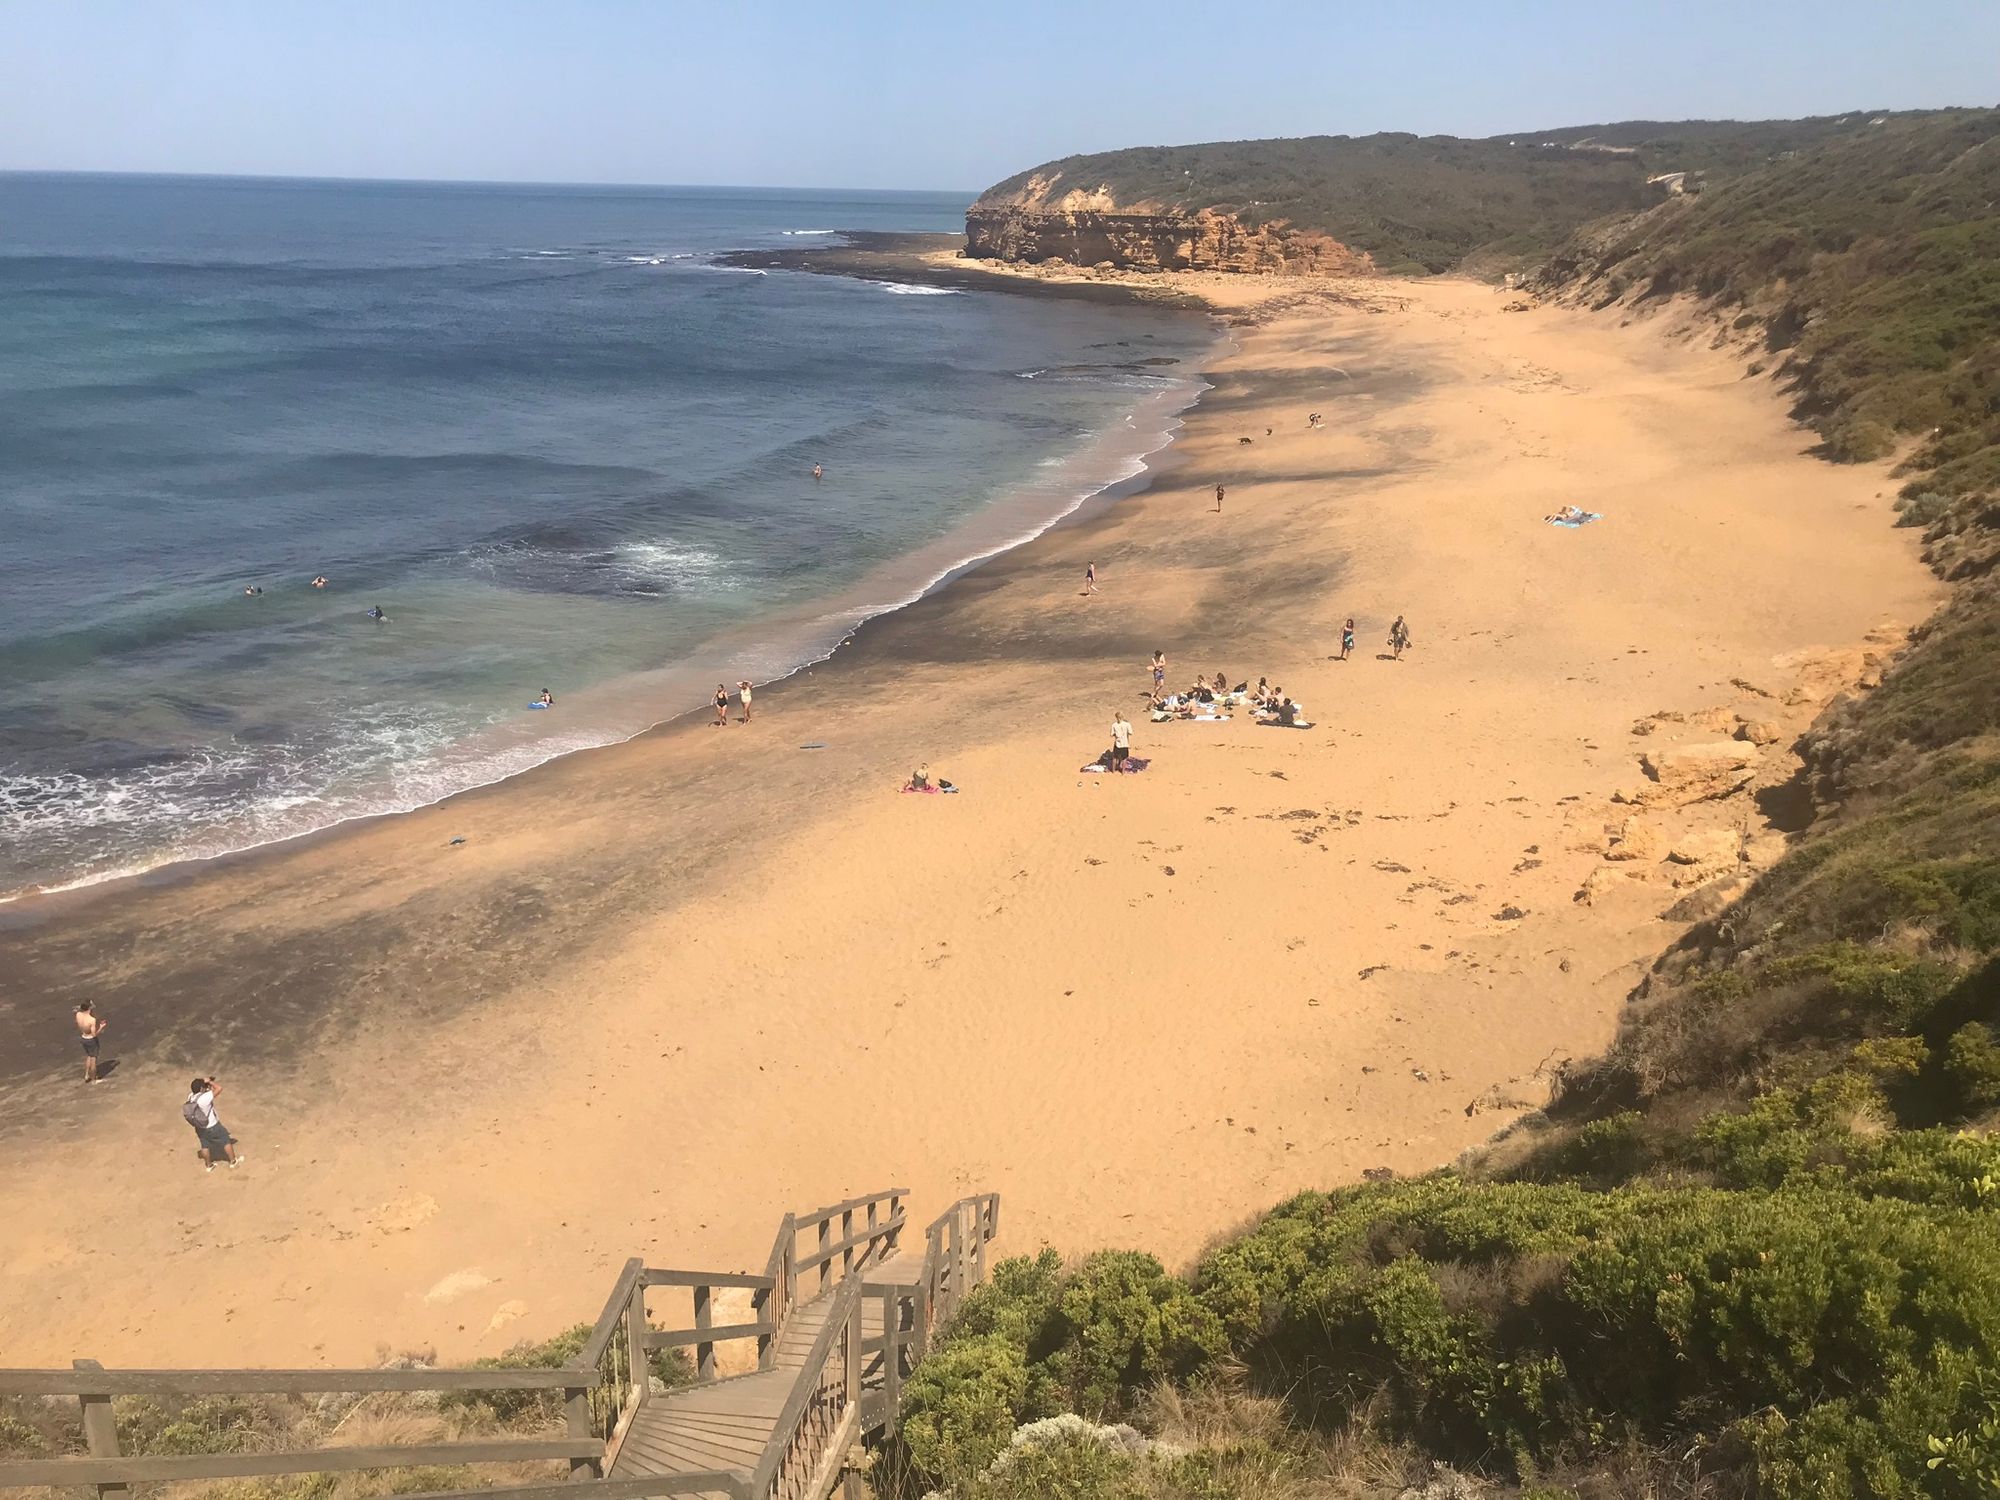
point(893, 95)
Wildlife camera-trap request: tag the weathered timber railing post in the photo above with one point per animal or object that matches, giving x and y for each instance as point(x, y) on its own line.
point(892, 1355)
point(979, 1243)
point(895, 1221)
point(576, 1421)
point(955, 1232)
point(638, 1358)
point(704, 1317)
point(825, 1260)
point(100, 1429)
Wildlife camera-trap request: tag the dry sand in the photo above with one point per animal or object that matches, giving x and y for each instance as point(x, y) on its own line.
point(666, 990)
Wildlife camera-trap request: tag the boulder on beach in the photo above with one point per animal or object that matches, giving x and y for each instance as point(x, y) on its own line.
point(1696, 773)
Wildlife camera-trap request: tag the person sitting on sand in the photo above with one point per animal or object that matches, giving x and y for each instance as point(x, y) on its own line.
point(1288, 712)
point(1262, 692)
point(1221, 683)
point(545, 700)
point(920, 779)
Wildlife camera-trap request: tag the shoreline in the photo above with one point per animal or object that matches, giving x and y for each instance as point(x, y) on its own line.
point(619, 1017)
point(29, 907)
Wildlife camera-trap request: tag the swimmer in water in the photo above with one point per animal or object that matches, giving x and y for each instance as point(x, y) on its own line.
point(376, 615)
point(320, 582)
point(818, 472)
point(252, 592)
point(546, 700)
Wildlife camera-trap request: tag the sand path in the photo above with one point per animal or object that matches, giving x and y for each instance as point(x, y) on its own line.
point(668, 989)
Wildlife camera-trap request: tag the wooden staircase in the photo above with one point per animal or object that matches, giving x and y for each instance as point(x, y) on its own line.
point(841, 1314)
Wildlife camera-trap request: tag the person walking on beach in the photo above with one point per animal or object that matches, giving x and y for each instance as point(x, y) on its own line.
point(89, 1029)
point(1346, 640)
point(1090, 578)
point(1159, 671)
point(721, 705)
point(743, 696)
point(1218, 499)
point(1399, 637)
point(199, 1111)
point(1121, 741)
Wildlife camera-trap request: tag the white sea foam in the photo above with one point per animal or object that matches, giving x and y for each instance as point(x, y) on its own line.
point(671, 563)
point(809, 231)
point(909, 289)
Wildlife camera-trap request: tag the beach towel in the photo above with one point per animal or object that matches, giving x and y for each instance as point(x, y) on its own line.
point(1572, 522)
point(1132, 763)
point(1281, 724)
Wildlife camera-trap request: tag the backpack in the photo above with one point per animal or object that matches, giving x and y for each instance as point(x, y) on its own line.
point(193, 1113)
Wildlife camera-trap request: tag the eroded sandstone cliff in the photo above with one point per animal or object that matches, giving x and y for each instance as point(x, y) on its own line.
point(1095, 231)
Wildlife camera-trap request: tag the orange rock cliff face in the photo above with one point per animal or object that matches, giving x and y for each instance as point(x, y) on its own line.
point(1089, 227)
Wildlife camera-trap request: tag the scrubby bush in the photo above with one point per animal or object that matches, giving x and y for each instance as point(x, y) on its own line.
point(1972, 1061)
point(959, 1406)
point(1121, 1324)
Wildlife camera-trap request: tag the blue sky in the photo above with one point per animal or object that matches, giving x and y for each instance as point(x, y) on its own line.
point(834, 94)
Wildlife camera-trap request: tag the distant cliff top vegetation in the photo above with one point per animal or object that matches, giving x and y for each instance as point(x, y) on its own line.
point(1426, 203)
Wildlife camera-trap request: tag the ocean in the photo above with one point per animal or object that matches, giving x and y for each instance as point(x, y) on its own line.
point(537, 427)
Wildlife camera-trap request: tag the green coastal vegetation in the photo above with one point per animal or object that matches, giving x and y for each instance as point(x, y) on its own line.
point(1754, 1249)
point(1426, 203)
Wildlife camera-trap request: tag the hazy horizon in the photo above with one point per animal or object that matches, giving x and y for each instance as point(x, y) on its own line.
point(621, 94)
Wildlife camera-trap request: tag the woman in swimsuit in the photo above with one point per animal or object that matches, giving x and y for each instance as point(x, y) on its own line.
point(721, 705)
point(1159, 670)
point(1346, 639)
point(546, 700)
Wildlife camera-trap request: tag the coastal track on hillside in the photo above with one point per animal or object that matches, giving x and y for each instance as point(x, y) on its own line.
point(824, 1338)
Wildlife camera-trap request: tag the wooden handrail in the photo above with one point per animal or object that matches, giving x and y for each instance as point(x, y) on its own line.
point(708, 1278)
point(614, 1313)
point(24, 1473)
point(279, 1382)
point(843, 1311)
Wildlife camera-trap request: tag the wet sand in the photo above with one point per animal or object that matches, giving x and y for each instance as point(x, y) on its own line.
point(666, 990)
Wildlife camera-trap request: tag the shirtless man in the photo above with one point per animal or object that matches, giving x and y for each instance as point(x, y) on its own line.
point(89, 1028)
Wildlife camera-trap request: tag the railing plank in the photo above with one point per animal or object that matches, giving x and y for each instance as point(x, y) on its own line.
point(734, 1482)
point(709, 1278)
point(161, 1469)
point(280, 1382)
point(680, 1338)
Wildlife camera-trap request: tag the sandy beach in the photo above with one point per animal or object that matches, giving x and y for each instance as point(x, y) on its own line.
point(664, 991)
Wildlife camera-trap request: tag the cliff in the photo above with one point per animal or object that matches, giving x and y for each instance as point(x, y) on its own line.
point(1206, 240)
point(1393, 202)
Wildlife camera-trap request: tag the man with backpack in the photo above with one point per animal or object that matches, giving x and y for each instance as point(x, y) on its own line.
point(199, 1112)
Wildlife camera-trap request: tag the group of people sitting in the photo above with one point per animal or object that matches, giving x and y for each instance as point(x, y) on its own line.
point(1204, 700)
point(1271, 705)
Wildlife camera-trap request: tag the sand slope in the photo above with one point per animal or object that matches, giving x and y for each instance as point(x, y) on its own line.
point(666, 990)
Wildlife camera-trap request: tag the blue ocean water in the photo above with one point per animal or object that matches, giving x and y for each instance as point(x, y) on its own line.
point(537, 427)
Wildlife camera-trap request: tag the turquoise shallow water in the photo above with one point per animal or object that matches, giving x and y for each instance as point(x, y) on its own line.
point(536, 426)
